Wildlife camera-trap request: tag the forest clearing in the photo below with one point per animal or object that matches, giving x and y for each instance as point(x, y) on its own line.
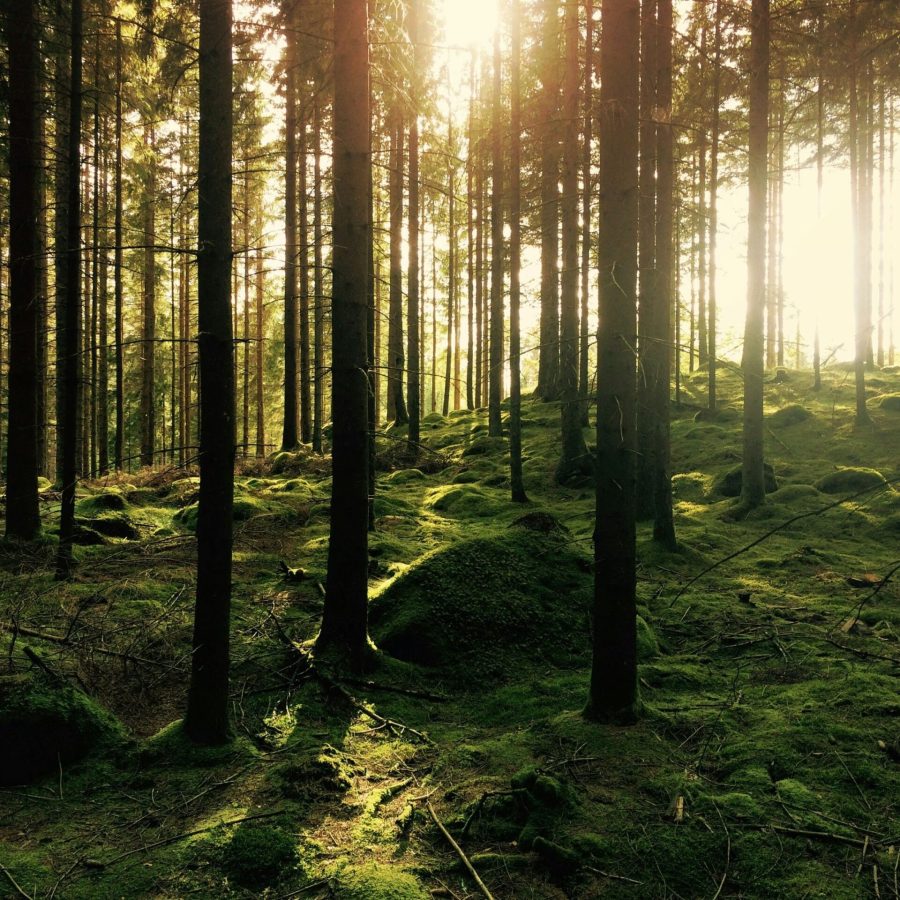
point(449, 449)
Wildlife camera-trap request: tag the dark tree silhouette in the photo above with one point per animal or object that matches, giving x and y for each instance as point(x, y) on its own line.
point(344, 620)
point(206, 720)
point(22, 516)
point(613, 688)
point(753, 489)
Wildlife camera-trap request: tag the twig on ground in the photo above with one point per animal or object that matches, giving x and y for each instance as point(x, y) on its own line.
point(459, 852)
point(180, 837)
point(14, 883)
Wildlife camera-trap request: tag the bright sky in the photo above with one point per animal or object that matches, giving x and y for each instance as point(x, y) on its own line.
point(818, 250)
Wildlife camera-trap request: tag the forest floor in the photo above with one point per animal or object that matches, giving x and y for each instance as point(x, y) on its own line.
point(765, 763)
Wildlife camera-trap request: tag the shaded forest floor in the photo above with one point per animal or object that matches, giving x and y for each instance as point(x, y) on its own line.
point(765, 763)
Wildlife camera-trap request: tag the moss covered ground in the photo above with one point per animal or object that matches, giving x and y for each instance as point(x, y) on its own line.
point(765, 762)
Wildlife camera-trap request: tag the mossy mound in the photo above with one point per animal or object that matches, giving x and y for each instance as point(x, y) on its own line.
point(541, 522)
point(482, 444)
point(793, 414)
point(405, 476)
point(108, 501)
point(482, 608)
point(464, 501)
point(374, 881)
point(729, 485)
point(890, 402)
point(45, 723)
point(242, 509)
point(259, 855)
point(116, 526)
point(690, 486)
point(850, 481)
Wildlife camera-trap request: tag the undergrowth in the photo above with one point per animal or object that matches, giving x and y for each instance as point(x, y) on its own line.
point(764, 764)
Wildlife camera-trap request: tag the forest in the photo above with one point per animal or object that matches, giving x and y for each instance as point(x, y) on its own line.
point(449, 448)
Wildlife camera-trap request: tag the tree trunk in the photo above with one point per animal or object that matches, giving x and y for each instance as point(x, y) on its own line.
point(548, 354)
point(260, 335)
point(148, 329)
point(647, 295)
point(712, 312)
point(659, 355)
point(103, 320)
point(22, 516)
point(70, 348)
point(118, 294)
point(306, 417)
point(289, 434)
point(753, 489)
point(613, 686)
point(470, 244)
point(344, 619)
point(206, 720)
point(584, 354)
point(495, 379)
point(517, 484)
point(574, 459)
point(856, 203)
point(318, 286)
point(396, 403)
point(413, 301)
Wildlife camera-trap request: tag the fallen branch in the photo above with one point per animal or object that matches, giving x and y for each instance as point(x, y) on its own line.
point(612, 876)
point(395, 726)
point(459, 852)
point(14, 883)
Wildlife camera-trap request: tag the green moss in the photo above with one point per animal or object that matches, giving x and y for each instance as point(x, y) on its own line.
point(463, 501)
point(171, 746)
point(733, 805)
point(890, 402)
point(690, 486)
point(44, 722)
point(850, 480)
point(374, 881)
point(259, 855)
point(792, 414)
point(405, 476)
point(729, 485)
point(94, 505)
point(484, 607)
point(647, 642)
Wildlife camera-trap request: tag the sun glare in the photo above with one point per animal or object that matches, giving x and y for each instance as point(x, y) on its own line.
point(469, 23)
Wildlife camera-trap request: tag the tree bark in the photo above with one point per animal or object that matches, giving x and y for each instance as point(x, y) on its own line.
point(22, 515)
point(413, 301)
point(659, 356)
point(548, 353)
point(289, 430)
point(495, 378)
point(753, 489)
point(613, 686)
point(318, 286)
point(712, 312)
point(574, 459)
point(67, 423)
point(148, 327)
point(344, 620)
point(206, 720)
point(647, 294)
point(517, 484)
point(396, 402)
point(118, 290)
